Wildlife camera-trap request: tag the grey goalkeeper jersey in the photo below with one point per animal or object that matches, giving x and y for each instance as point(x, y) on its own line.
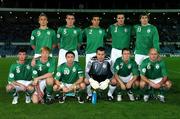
point(99, 71)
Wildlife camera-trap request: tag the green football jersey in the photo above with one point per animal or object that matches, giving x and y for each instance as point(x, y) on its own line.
point(42, 68)
point(68, 74)
point(153, 70)
point(43, 37)
point(146, 38)
point(120, 35)
point(125, 69)
point(69, 37)
point(20, 71)
point(94, 38)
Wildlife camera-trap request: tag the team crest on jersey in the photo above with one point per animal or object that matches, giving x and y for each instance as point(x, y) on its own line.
point(66, 71)
point(27, 67)
point(48, 32)
point(34, 72)
point(125, 30)
point(129, 66)
point(58, 74)
point(74, 69)
point(38, 33)
point(144, 70)
point(100, 31)
point(48, 64)
point(58, 35)
point(75, 32)
point(17, 70)
point(32, 37)
point(11, 75)
point(148, 30)
point(157, 66)
point(104, 66)
point(139, 29)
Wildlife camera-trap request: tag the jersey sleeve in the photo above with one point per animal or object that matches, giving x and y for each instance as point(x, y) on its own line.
point(156, 39)
point(54, 38)
point(11, 76)
point(33, 38)
point(80, 72)
point(58, 73)
point(80, 36)
point(163, 69)
point(59, 34)
point(110, 74)
point(88, 69)
point(52, 66)
point(135, 69)
point(116, 66)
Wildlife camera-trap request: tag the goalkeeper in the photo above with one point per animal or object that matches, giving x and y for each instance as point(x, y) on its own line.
point(98, 72)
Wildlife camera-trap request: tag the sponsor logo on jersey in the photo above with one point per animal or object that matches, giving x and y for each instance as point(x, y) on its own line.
point(157, 66)
point(38, 33)
point(11, 75)
point(48, 32)
point(148, 30)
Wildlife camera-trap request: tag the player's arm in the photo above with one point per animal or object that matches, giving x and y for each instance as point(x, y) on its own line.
point(33, 40)
point(164, 73)
point(108, 31)
point(156, 39)
point(135, 71)
point(88, 69)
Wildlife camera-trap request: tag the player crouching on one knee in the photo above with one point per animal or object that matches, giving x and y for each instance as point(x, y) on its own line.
point(69, 79)
point(154, 77)
point(125, 76)
point(20, 78)
point(43, 77)
point(98, 72)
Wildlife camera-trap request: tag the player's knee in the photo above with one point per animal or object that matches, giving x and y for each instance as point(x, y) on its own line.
point(168, 84)
point(9, 87)
point(55, 88)
point(35, 99)
point(86, 81)
point(49, 81)
point(82, 86)
point(136, 83)
point(113, 82)
point(142, 84)
point(30, 88)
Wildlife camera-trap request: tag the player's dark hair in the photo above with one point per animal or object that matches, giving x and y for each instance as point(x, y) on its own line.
point(22, 50)
point(126, 49)
point(70, 14)
point(69, 52)
point(100, 49)
point(95, 16)
point(120, 14)
point(144, 14)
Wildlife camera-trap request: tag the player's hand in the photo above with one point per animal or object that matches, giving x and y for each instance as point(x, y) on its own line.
point(33, 62)
point(65, 89)
point(35, 82)
point(129, 84)
point(123, 87)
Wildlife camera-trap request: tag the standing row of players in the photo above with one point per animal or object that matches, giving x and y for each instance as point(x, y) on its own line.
point(39, 81)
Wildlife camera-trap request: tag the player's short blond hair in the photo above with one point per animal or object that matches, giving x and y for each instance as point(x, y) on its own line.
point(46, 49)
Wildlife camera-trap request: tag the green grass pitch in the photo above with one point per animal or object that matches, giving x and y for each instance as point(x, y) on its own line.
point(102, 110)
